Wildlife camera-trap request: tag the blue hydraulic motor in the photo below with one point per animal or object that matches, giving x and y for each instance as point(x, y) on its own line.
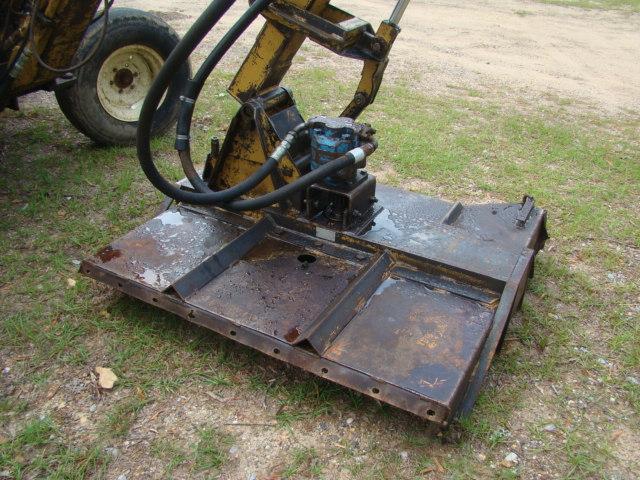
point(331, 138)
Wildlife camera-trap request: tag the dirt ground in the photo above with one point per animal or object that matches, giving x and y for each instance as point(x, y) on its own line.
point(532, 49)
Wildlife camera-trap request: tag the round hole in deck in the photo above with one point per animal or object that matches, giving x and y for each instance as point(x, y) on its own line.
point(191, 314)
point(430, 413)
point(375, 390)
point(155, 299)
point(232, 333)
point(276, 351)
point(324, 370)
point(119, 285)
point(306, 258)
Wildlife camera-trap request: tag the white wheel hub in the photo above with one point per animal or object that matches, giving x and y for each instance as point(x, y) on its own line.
point(124, 80)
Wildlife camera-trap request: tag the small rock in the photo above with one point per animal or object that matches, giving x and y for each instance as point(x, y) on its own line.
point(5, 474)
point(481, 457)
point(6, 370)
point(233, 450)
point(75, 262)
point(510, 460)
point(349, 421)
point(71, 282)
point(122, 477)
point(112, 451)
point(404, 456)
point(106, 378)
point(75, 385)
point(252, 476)
point(550, 428)
point(93, 408)
point(616, 277)
point(632, 380)
point(604, 362)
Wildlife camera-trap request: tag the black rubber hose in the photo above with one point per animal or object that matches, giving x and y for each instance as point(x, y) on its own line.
point(252, 180)
point(180, 54)
point(194, 87)
point(300, 183)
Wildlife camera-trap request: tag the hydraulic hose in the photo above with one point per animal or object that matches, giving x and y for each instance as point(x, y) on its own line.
point(252, 180)
point(180, 54)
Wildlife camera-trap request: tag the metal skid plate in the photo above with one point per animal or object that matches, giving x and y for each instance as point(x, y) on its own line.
point(409, 310)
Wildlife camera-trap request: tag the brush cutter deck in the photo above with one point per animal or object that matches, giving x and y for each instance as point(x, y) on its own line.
point(410, 311)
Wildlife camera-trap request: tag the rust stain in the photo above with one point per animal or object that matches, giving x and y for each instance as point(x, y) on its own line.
point(108, 253)
point(292, 334)
point(432, 340)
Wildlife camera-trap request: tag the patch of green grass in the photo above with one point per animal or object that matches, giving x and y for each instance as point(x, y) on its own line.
point(585, 454)
point(624, 5)
point(122, 416)
point(304, 463)
point(37, 452)
point(12, 406)
point(210, 452)
point(168, 451)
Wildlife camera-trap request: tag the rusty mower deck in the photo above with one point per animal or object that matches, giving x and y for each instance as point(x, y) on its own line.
point(409, 310)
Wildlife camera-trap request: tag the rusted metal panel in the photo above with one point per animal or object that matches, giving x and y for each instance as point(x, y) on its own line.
point(274, 291)
point(390, 312)
point(417, 338)
point(166, 248)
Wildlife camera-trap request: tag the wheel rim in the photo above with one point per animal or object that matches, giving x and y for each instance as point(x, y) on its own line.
point(125, 78)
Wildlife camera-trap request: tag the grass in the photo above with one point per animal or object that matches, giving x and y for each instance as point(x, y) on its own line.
point(210, 451)
point(624, 5)
point(304, 463)
point(170, 453)
point(62, 199)
point(122, 416)
point(38, 451)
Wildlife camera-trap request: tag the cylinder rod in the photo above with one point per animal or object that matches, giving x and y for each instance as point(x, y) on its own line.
point(398, 11)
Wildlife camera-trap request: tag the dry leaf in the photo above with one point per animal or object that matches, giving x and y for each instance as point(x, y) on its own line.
point(106, 378)
point(52, 391)
point(140, 393)
point(71, 282)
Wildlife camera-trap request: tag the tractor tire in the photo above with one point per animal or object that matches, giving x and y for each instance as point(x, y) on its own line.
point(105, 99)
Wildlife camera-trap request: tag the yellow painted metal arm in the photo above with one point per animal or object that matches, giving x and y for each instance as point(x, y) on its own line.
point(289, 23)
point(372, 72)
